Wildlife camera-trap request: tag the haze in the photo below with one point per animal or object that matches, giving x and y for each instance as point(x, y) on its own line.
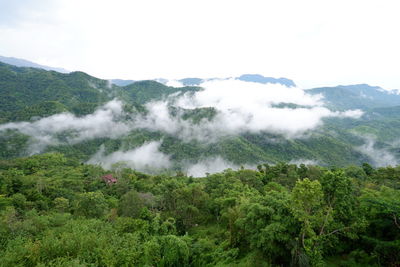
point(314, 43)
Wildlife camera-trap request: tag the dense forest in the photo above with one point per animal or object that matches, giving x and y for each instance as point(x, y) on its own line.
point(33, 101)
point(73, 194)
point(56, 211)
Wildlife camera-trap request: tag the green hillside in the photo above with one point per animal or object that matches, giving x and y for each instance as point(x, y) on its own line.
point(55, 211)
point(29, 94)
point(35, 92)
point(360, 96)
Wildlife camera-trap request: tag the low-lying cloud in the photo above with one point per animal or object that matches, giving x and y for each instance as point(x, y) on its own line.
point(232, 93)
point(66, 127)
point(305, 162)
point(379, 156)
point(210, 165)
point(242, 107)
point(146, 158)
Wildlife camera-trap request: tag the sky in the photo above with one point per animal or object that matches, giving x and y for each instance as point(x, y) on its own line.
point(314, 42)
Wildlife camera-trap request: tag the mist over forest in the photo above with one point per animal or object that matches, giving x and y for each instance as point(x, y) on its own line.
point(154, 128)
point(240, 171)
point(199, 133)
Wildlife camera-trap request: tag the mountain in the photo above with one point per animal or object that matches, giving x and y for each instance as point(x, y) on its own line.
point(144, 91)
point(121, 82)
point(25, 63)
point(76, 114)
point(24, 90)
point(359, 96)
point(191, 81)
point(257, 78)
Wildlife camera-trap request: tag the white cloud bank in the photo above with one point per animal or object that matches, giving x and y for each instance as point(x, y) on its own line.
point(210, 165)
point(104, 122)
point(379, 156)
point(146, 158)
point(243, 107)
point(305, 162)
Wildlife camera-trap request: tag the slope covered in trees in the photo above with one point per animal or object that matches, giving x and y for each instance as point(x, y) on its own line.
point(32, 97)
point(55, 211)
point(29, 92)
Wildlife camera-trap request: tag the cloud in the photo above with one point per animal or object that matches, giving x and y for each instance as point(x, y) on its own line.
point(14, 13)
point(279, 37)
point(146, 158)
point(174, 83)
point(242, 107)
point(210, 165)
point(305, 162)
point(355, 114)
point(231, 93)
point(379, 156)
point(66, 127)
point(159, 118)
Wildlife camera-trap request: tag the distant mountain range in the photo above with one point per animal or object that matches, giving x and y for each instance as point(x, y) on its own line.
point(25, 63)
point(29, 95)
point(122, 82)
point(358, 96)
point(256, 78)
point(361, 96)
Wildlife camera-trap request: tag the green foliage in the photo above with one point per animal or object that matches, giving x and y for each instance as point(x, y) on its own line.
point(144, 91)
point(256, 213)
point(91, 204)
point(57, 212)
point(132, 203)
point(359, 96)
point(30, 94)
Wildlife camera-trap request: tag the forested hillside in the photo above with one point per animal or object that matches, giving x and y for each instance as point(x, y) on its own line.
point(30, 92)
point(96, 174)
point(199, 133)
point(55, 211)
point(94, 120)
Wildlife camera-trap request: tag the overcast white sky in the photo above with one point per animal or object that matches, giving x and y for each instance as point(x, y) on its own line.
point(313, 42)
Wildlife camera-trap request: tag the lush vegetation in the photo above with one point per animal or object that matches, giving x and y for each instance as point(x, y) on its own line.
point(55, 211)
point(360, 96)
point(28, 94)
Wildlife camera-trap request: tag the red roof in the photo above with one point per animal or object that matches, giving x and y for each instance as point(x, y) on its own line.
point(109, 179)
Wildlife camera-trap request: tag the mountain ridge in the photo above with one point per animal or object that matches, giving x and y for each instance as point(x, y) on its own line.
point(30, 95)
point(18, 62)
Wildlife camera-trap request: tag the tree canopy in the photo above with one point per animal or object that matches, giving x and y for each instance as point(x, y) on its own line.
point(58, 212)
